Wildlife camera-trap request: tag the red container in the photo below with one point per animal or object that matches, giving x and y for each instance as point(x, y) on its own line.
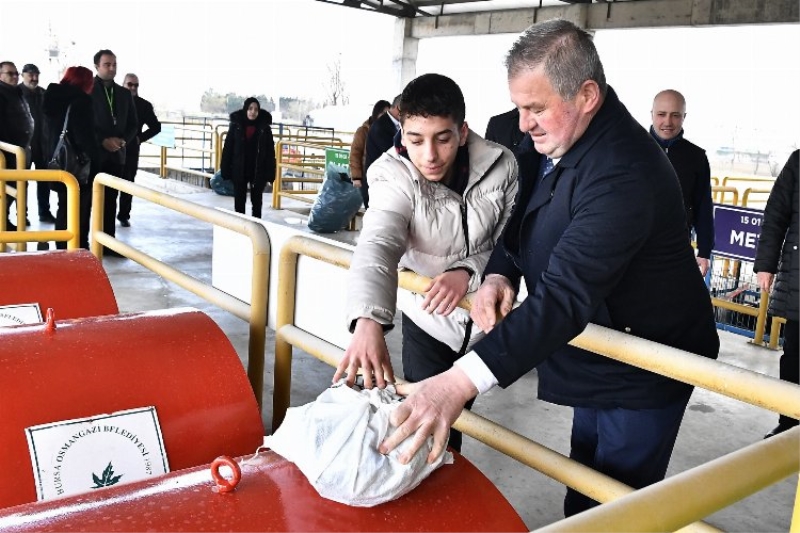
point(178, 361)
point(273, 495)
point(72, 283)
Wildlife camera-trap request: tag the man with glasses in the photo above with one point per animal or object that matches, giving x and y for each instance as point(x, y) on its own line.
point(146, 117)
point(16, 123)
point(34, 96)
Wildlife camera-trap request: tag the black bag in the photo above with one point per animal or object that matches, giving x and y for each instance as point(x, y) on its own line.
point(67, 157)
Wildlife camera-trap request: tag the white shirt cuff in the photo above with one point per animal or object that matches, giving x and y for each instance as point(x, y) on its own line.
point(477, 371)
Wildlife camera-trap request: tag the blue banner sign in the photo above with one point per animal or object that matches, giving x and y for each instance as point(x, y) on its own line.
point(736, 231)
point(166, 137)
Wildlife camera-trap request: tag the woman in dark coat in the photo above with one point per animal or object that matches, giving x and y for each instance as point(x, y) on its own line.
point(74, 89)
point(248, 156)
point(777, 254)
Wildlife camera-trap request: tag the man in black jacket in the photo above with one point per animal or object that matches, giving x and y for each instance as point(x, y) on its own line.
point(691, 166)
point(380, 138)
point(34, 96)
point(115, 126)
point(599, 235)
point(504, 129)
point(16, 123)
point(146, 117)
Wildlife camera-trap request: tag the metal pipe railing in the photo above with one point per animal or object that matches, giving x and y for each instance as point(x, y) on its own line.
point(71, 234)
point(734, 382)
point(571, 473)
point(255, 313)
point(21, 192)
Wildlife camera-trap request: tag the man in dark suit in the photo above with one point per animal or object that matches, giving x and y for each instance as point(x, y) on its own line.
point(504, 129)
point(599, 235)
point(115, 126)
point(146, 117)
point(380, 138)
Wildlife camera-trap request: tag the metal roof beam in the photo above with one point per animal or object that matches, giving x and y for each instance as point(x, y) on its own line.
point(613, 15)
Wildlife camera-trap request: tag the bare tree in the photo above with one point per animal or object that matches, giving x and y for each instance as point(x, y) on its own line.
point(335, 88)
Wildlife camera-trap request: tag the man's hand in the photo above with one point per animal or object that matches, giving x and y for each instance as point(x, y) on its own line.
point(496, 296)
point(357, 182)
point(113, 144)
point(445, 291)
point(703, 263)
point(430, 408)
point(368, 351)
point(764, 280)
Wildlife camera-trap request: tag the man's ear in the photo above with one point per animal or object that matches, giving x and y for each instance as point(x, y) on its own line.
point(463, 133)
point(589, 97)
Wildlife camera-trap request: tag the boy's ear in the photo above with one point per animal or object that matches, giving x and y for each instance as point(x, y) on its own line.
point(463, 132)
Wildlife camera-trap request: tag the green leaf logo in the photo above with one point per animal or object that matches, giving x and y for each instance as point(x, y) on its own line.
point(108, 478)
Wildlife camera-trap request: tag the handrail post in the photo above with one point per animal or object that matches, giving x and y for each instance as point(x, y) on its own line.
point(277, 185)
point(98, 213)
point(287, 281)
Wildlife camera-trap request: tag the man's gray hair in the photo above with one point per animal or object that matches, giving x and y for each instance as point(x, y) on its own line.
point(566, 52)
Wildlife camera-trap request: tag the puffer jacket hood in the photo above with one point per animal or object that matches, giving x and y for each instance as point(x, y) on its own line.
point(240, 117)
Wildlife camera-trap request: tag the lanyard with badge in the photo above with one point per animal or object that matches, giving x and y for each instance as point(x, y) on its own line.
point(110, 100)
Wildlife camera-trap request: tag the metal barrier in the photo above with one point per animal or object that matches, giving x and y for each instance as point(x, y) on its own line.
point(255, 313)
point(731, 381)
point(190, 143)
point(22, 237)
point(20, 193)
point(288, 158)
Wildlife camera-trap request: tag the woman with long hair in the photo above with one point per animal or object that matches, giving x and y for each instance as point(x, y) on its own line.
point(73, 93)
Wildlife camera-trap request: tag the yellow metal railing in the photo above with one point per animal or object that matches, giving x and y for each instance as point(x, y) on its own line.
point(774, 461)
point(71, 234)
point(303, 158)
point(20, 193)
point(255, 313)
point(193, 139)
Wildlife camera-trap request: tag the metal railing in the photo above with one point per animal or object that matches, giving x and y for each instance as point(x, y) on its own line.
point(304, 159)
point(255, 313)
point(20, 193)
point(777, 459)
point(71, 235)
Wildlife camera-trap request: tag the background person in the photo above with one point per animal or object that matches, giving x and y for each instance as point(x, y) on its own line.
point(380, 137)
point(146, 117)
point(504, 129)
point(358, 153)
point(439, 201)
point(115, 126)
point(777, 260)
point(34, 95)
point(16, 124)
point(599, 235)
point(74, 89)
point(691, 166)
point(248, 155)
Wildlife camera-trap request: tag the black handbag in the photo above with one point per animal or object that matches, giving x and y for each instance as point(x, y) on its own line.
point(67, 157)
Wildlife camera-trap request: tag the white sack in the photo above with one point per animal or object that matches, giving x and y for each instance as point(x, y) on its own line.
point(334, 441)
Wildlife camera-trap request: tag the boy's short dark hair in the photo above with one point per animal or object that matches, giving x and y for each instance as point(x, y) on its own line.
point(433, 95)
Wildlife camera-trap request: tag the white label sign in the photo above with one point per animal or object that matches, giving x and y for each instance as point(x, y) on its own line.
point(75, 456)
point(14, 315)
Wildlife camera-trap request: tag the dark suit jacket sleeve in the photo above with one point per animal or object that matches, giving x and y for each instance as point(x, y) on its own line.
point(150, 120)
point(704, 212)
point(132, 121)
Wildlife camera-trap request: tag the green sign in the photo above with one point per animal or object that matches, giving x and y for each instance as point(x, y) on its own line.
point(337, 159)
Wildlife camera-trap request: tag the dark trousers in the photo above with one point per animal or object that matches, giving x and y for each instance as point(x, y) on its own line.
point(240, 197)
point(110, 165)
point(630, 445)
point(84, 215)
point(789, 367)
point(129, 173)
point(424, 357)
point(364, 190)
point(43, 188)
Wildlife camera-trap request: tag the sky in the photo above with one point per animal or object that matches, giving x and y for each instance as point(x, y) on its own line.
point(740, 82)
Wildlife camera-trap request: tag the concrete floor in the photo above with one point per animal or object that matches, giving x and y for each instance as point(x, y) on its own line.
point(713, 425)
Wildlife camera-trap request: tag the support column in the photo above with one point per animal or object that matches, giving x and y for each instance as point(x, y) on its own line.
point(404, 54)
